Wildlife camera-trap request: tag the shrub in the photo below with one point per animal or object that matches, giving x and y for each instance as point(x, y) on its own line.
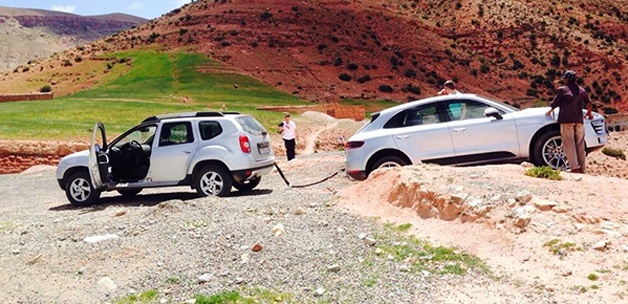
point(484, 68)
point(410, 73)
point(386, 88)
point(364, 78)
point(544, 172)
point(321, 46)
point(266, 15)
point(614, 152)
point(46, 89)
point(183, 31)
point(338, 61)
point(593, 277)
point(67, 63)
point(26, 69)
point(352, 66)
point(413, 89)
point(610, 110)
point(344, 77)
point(78, 59)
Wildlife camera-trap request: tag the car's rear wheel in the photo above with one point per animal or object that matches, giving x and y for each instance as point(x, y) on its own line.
point(548, 151)
point(213, 180)
point(130, 192)
point(248, 184)
point(80, 191)
point(388, 162)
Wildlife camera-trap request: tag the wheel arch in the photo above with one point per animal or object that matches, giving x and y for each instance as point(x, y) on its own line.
point(383, 153)
point(69, 172)
point(538, 134)
point(202, 164)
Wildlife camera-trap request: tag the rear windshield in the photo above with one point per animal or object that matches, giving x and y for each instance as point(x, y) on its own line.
point(250, 125)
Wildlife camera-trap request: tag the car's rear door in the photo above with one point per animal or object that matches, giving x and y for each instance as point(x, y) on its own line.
point(172, 152)
point(422, 134)
point(478, 138)
point(261, 149)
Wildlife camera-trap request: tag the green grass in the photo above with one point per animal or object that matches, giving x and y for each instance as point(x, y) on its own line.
point(544, 172)
point(593, 277)
point(614, 152)
point(146, 297)
point(257, 295)
point(561, 248)
point(158, 83)
point(420, 255)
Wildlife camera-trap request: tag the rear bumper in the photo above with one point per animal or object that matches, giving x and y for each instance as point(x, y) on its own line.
point(242, 175)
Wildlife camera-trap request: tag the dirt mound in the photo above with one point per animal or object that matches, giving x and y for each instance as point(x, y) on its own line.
point(549, 234)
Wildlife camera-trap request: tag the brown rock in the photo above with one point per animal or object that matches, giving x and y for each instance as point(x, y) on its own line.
point(257, 248)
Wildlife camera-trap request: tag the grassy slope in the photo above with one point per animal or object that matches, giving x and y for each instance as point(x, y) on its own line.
point(158, 83)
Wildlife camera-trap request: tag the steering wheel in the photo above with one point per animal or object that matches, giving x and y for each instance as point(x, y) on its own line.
point(135, 146)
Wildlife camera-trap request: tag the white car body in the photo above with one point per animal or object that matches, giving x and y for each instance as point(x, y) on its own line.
point(461, 129)
point(235, 146)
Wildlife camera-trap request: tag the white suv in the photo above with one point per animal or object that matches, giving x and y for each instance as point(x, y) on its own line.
point(462, 129)
point(209, 151)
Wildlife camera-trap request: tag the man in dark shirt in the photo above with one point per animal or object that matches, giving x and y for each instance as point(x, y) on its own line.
point(571, 99)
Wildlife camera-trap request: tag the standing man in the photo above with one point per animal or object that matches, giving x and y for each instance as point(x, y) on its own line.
point(449, 87)
point(571, 99)
point(288, 129)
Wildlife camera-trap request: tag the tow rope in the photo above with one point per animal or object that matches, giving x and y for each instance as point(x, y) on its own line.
point(305, 185)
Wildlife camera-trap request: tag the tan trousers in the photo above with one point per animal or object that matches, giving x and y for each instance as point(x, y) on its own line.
point(573, 144)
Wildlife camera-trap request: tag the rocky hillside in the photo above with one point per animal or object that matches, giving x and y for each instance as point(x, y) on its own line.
point(402, 49)
point(27, 35)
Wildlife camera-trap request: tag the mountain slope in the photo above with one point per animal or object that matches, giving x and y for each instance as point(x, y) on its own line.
point(512, 50)
point(28, 34)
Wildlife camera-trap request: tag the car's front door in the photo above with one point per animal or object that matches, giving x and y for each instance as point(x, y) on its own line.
point(172, 152)
point(98, 161)
point(422, 134)
point(480, 138)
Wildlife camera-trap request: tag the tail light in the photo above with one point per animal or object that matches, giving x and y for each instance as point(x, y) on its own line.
point(245, 145)
point(353, 144)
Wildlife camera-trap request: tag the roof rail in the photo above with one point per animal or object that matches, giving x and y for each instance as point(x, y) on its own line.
point(208, 114)
point(231, 112)
point(185, 114)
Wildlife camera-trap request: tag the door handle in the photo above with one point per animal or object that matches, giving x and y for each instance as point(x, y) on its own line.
point(459, 129)
point(187, 152)
point(402, 136)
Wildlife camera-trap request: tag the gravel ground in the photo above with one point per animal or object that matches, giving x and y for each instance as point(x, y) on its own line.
point(165, 239)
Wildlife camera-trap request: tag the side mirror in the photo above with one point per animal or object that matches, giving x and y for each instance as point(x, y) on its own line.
point(96, 148)
point(492, 112)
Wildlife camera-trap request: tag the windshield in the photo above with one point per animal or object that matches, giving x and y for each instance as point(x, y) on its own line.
point(507, 106)
point(143, 135)
point(250, 125)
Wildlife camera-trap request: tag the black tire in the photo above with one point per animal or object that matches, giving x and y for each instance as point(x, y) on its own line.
point(387, 162)
point(247, 185)
point(548, 151)
point(130, 192)
point(80, 191)
point(213, 180)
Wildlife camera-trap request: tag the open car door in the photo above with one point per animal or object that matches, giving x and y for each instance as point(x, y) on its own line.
point(98, 159)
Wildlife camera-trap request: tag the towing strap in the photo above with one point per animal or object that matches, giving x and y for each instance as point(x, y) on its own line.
point(306, 185)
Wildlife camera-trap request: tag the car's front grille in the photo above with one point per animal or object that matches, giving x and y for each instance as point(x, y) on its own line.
point(598, 126)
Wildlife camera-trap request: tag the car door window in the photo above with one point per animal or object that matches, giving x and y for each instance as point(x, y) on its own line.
point(421, 115)
point(143, 135)
point(175, 133)
point(465, 109)
point(209, 129)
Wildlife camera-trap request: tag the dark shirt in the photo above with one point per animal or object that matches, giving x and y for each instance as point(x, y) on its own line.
point(571, 99)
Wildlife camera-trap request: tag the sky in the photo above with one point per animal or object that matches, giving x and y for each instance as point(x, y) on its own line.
point(148, 9)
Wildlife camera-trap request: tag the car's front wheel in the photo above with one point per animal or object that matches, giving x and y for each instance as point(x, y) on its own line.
point(80, 191)
point(548, 151)
point(213, 180)
point(388, 162)
point(248, 184)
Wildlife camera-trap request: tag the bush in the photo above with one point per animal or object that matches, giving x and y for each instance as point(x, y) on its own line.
point(46, 89)
point(67, 63)
point(544, 172)
point(26, 69)
point(266, 15)
point(344, 77)
point(364, 78)
point(183, 31)
point(610, 110)
point(410, 73)
point(321, 46)
point(352, 66)
point(386, 88)
point(613, 152)
point(78, 59)
point(413, 89)
point(484, 68)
